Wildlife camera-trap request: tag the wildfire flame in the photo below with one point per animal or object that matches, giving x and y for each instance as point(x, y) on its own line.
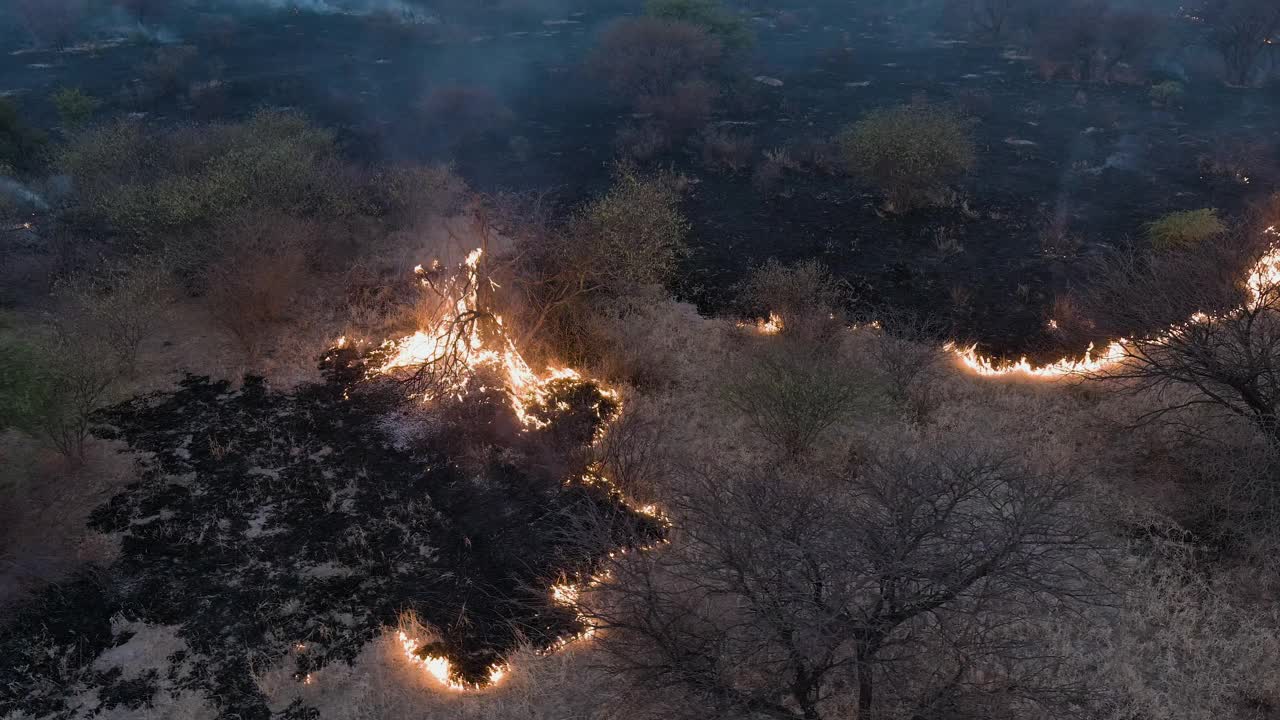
point(1261, 282)
point(474, 350)
point(494, 350)
point(440, 668)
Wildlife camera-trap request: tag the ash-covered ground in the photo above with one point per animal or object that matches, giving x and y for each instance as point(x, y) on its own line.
point(296, 527)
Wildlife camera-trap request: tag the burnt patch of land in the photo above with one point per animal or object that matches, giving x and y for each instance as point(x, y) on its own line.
point(272, 526)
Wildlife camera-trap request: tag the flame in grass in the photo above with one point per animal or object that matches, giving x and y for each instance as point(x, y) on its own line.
point(1261, 283)
point(441, 669)
point(458, 340)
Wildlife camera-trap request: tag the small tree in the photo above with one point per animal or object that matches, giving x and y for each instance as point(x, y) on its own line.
point(121, 303)
point(793, 390)
point(1168, 93)
point(660, 67)
point(50, 389)
point(908, 151)
point(21, 146)
point(1184, 229)
point(75, 107)
point(1243, 30)
point(903, 587)
point(632, 236)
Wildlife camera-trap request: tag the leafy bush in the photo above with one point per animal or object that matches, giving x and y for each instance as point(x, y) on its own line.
point(909, 151)
point(145, 182)
point(623, 242)
point(75, 107)
point(50, 388)
point(709, 15)
point(1167, 93)
point(1181, 230)
point(637, 229)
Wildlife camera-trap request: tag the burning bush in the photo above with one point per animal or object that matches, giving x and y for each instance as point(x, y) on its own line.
point(909, 151)
point(1182, 230)
point(660, 67)
point(804, 298)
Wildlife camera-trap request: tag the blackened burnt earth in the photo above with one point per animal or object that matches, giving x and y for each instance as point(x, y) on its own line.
point(266, 521)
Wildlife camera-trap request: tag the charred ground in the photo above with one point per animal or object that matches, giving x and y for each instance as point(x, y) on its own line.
point(275, 527)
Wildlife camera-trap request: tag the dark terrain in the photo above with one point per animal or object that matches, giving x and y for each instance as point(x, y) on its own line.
point(1085, 165)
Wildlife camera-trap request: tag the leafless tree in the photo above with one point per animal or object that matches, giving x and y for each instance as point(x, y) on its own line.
point(1207, 329)
point(907, 351)
point(901, 586)
point(993, 18)
point(1243, 30)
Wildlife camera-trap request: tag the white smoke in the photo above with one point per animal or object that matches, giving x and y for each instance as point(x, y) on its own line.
point(398, 9)
point(21, 193)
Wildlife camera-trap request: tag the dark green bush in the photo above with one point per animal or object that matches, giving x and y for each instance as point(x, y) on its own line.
point(908, 151)
point(140, 181)
point(75, 107)
point(709, 15)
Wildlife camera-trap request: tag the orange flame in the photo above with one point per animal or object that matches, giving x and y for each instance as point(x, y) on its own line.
point(424, 347)
point(440, 668)
point(1260, 283)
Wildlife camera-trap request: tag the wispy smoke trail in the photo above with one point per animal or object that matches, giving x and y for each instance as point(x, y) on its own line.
point(22, 193)
point(395, 8)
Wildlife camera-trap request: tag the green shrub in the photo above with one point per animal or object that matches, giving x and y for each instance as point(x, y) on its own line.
point(75, 107)
point(1182, 230)
point(1167, 93)
point(146, 182)
point(909, 151)
point(636, 229)
point(50, 389)
point(709, 15)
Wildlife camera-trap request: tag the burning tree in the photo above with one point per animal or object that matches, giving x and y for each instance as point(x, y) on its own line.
point(909, 581)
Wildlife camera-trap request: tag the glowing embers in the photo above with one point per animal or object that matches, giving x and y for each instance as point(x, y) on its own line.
point(440, 668)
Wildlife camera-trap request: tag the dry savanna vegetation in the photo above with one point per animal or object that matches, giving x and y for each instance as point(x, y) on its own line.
point(289, 429)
